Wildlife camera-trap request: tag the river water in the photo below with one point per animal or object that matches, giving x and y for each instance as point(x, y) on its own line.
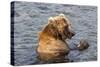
point(31, 17)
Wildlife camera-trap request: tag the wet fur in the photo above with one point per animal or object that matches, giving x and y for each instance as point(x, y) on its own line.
point(52, 45)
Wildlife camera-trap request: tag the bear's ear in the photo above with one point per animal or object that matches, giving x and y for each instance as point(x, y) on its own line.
point(50, 20)
point(61, 15)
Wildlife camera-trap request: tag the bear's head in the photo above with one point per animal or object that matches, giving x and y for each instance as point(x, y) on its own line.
point(59, 27)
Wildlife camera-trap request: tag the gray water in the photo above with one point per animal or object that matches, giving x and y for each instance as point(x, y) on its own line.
point(31, 17)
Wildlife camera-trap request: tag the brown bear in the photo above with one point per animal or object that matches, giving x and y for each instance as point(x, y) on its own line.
point(52, 45)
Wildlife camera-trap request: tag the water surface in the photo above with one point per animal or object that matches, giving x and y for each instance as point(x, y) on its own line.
point(30, 18)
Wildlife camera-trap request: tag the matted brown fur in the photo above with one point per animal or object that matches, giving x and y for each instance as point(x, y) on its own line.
point(52, 45)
